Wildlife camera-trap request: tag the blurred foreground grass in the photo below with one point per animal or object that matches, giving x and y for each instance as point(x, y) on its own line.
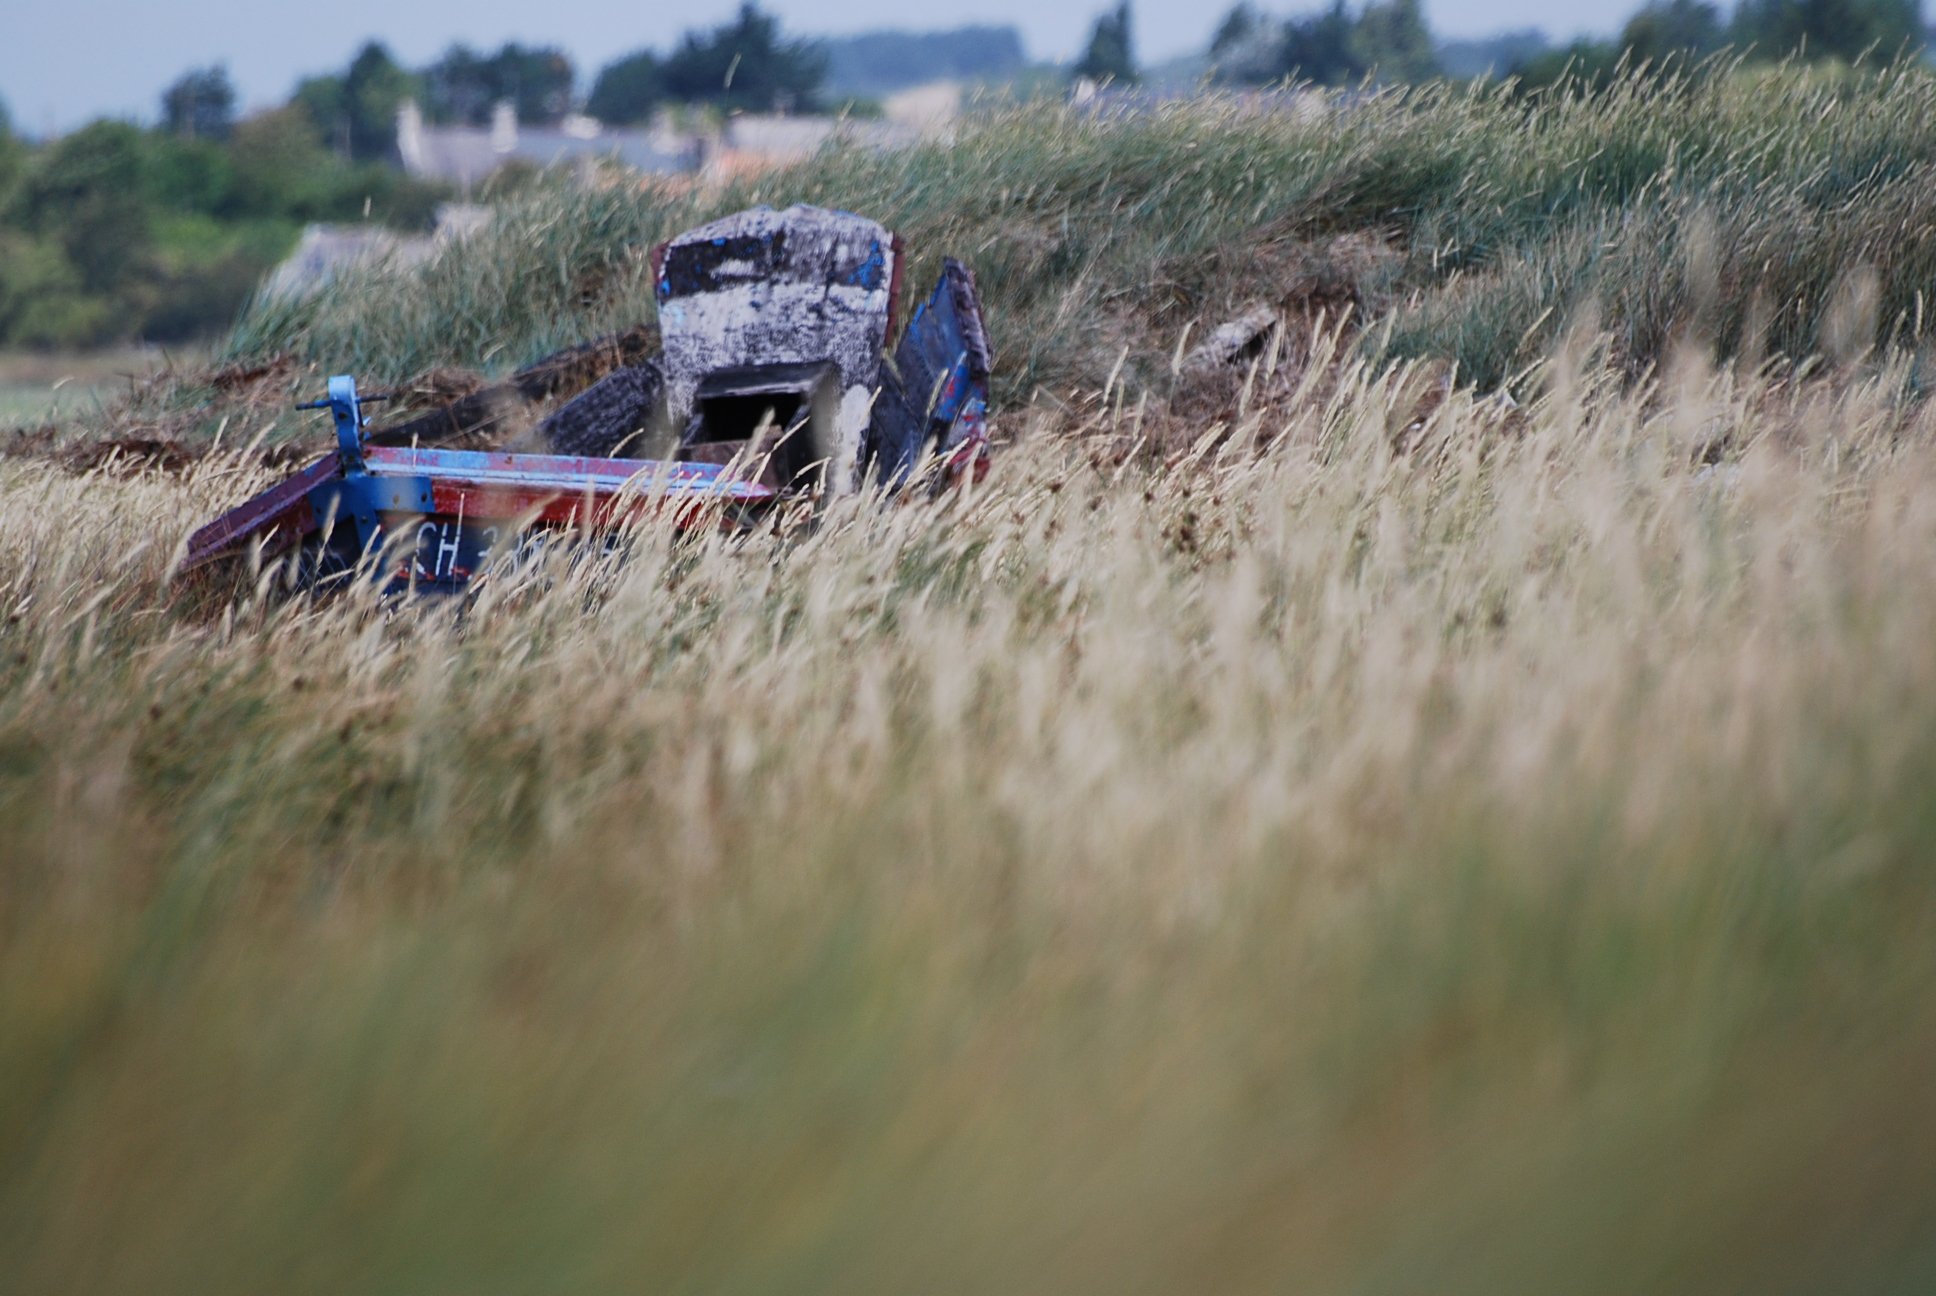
point(1498, 867)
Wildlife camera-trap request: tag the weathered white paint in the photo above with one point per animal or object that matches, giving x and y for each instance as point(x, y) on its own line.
point(795, 314)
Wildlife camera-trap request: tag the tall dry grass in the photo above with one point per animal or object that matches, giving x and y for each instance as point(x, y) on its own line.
point(1496, 865)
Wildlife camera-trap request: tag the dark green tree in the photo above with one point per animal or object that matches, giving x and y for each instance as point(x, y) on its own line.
point(42, 301)
point(280, 168)
point(191, 175)
point(1665, 29)
point(1111, 53)
point(1844, 29)
point(745, 64)
point(200, 105)
point(1771, 28)
point(538, 79)
point(1494, 55)
point(88, 192)
point(628, 90)
point(460, 87)
point(1589, 63)
point(1248, 48)
point(1332, 47)
point(1394, 42)
point(1324, 48)
point(323, 101)
point(464, 86)
point(356, 113)
point(281, 171)
point(1239, 26)
point(881, 62)
point(374, 88)
point(13, 157)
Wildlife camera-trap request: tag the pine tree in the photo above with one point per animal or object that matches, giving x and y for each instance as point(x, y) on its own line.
point(200, 105)
point(1111, 55)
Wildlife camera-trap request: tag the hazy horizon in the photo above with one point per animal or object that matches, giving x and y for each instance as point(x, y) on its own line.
point(67, 64)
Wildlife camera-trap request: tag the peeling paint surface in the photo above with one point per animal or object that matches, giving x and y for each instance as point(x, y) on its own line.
point(779, 287)
point(936, 396)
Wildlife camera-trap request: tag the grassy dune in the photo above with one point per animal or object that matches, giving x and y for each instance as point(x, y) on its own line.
point(1476, 226)
point(1365, 843)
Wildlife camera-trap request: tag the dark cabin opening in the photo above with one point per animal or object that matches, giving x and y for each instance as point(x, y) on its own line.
point(779, 413)
point(737, 417)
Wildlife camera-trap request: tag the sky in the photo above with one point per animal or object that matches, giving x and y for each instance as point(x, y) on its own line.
point(63, 62)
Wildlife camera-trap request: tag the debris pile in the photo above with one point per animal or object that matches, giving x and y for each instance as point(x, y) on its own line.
point(770, 380)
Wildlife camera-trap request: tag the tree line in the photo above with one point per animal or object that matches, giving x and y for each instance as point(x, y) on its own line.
point(114, 231)
point(1389, 41)
point(118, 231)
point(1684, 31)
point(744, 64)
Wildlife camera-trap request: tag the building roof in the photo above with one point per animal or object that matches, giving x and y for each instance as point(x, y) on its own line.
point(465, 155)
